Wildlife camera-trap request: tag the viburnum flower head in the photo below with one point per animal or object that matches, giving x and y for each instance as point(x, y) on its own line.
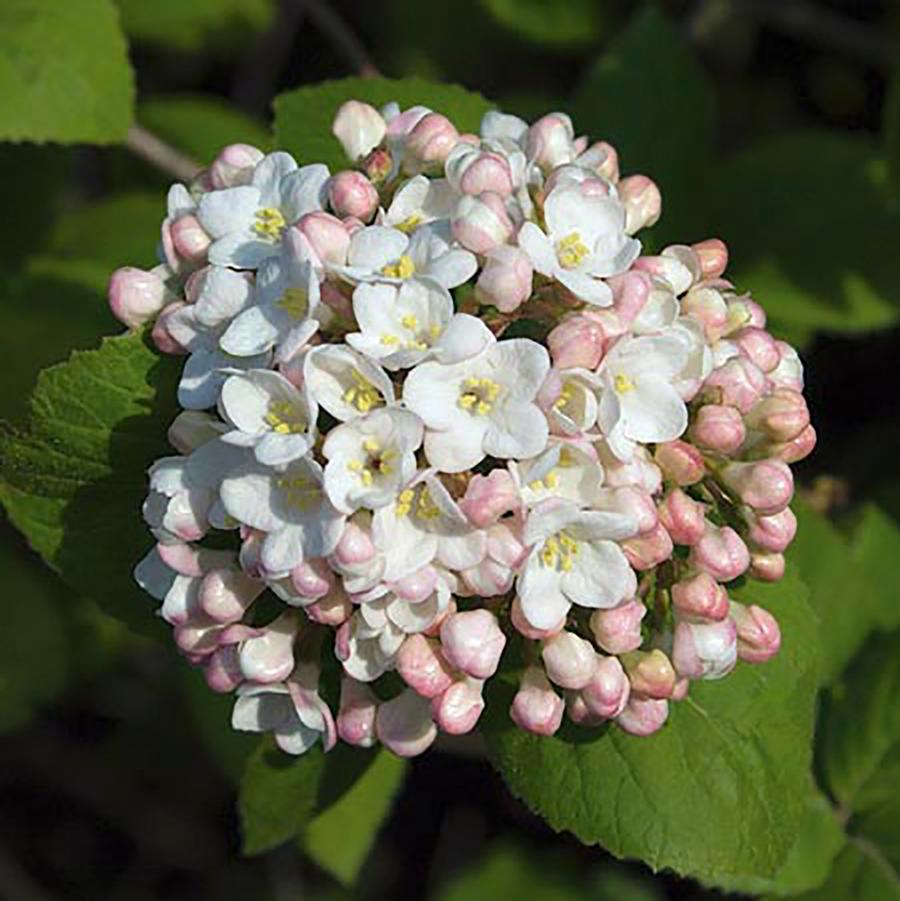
point(439, 398)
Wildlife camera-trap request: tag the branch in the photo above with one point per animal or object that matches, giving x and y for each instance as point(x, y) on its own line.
point(158, 153)
point(344, 40)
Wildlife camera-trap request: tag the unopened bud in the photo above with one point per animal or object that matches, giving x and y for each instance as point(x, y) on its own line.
point(269, 657)
point(759, 636)
point(700, 597)
point(767, 567)
point(404, 724)
point(359, 128)
point(650, 673)
point(681, 462)
point(618, 629)
point(643, 716)
point(609, 689)
point(481, 223)
point(648, 550)
point(459, 708)
point(136, 295)
point(682, 517)
point(705, 650)
point(537, 707)
point(473, 642)
point(642, 201)
point(429, 143)
point(713, 256)
point(326, 236)
point(422, 666)
point(719, 428)
point(352, 194)
point(772, 533)
point(766, 485)
point(577, 342)
point(506, 278)
point(190, 239)
point(234, 166)
point(356, 717)
point(737, 382)
point(569, 660)
point(721, 553)
point(781, 415)
point(489, 497)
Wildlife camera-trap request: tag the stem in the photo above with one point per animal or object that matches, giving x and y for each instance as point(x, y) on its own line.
point(342, 37)
point(158, 153)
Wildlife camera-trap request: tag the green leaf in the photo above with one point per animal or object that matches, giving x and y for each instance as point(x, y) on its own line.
point(200, 126)
point(194, 24)
point(340, 838)
point(648, 96)
point(768, 204)
point(281, 795)
point(564, 23)
point(734, 756)
point(303, 117)
point(73, 480)
point(64, 72)
point(876, 550)
point(891, 129)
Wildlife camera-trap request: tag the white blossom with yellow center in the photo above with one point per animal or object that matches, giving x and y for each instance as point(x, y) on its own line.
point(418, 201)
point(344, 382)
point(583, 243)
point(567, 469)
point(570, 399)
point(574, 559)
point(371, 458)
point(481, 406)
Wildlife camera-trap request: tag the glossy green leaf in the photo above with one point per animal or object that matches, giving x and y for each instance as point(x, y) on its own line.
point(340, 838)
point(740, 745)
point(875, 546)
point(303, 116)
point(281, 795)
point(650, 98)
point(564, 23)
point(64, 72)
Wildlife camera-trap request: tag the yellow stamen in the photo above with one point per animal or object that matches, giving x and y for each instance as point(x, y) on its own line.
point(284, 418)
point(571, 250)
point(362, 394)
point(623, 384)
point(559, 551)
point(403, 268)
point(409, 223)
point(300, 492)
point(567, 393)
point(270, 223)
point(295, 302)
point(478, 395)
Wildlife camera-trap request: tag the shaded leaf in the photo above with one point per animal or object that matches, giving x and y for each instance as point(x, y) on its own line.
point(563, 23)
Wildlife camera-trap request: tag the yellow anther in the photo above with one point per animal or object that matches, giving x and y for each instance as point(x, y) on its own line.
point(362, 394)
point(559, 551)
point(549, 483)
point(478, 395)
point(283, 418)
point(270, 223)
point(623, 384)
point(403, 268)
point(299, 491)
point(571, 250)
point(389, 340)
point(566, 458)
point(295, 302)
point(567, 393)
point(404, 502)
point(409, 321)
point(409, 223)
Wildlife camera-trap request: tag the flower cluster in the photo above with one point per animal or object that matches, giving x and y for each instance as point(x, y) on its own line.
point(444, 407)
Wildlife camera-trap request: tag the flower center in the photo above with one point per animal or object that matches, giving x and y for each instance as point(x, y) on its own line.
point(294, 302)
point(418, 340)
point(362, 394)
point(478, 395)
point(270, 223)
point(377, 462)
point(623, 384)
point(559, 551)
point(567, 393)
point(419, 502)
point(403, 268)
point(300, 492)
point(282, 417)
point(571, 250)
point(409, 223)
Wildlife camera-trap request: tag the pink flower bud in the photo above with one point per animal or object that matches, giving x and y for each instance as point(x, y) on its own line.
point(578, 712)
point(682, 517)
point(631, 291)
point(643, 716)
point(459, 708)
point(222, 670)
point(721, 553)
point(326, 236)
point(417, 586)
point(332, 610)
point(356, 717)
point(359, 128)
point(631, 501)
point(708, 307)
point(422, 666)
point(537, 707)
point(404, 724)
point(604, 160)
point(428, 144)
point(650, 673)
point(352, 194)
point(713, 256)
point(700, 597)
point(524, 628)
point(473, 642)
point(781, 415)
point(705, 650)
point(642, 202)
point(718, 428)
point(609, 689)
point(618, 629)
point(226, 594)
point(648, 550)
point(789, 371)
point(197, 639)
point(312, 578)
point(190, 239)
point(136, 296)
point(772, 533)
point(505, 280)
point(744, 313)
point(471, 170)
point(549, 141)
point(234, 166)
point(675, 268)
point(161, 335)
point(759, 636)
point(681, 462)
point(355, 546)
point(489, 497)
point(766, 485)
point(269, 657)
point(796, 449)
point(578, 341)
point(481, 223)
point(737, 382)
point(378, 166)
point(767, 567)
point(758, 346)
point(569, 660)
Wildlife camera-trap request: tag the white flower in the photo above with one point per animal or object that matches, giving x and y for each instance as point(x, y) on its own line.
point(573, 411)
point(638, 402)
point(290, 506)
point(482, 406)
point(381, 254)
point(585, 242)
point(198, 327)
point(370, 458)
point(344, 382)
point(401, 326)
point(426, 524)
point(419, 201)
point(367, 652)
point(565, 470)
point(268, 414)
point(291, 710)
point(574, 559)
point(284, 308)
point(409, 616)
point(246, 223)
